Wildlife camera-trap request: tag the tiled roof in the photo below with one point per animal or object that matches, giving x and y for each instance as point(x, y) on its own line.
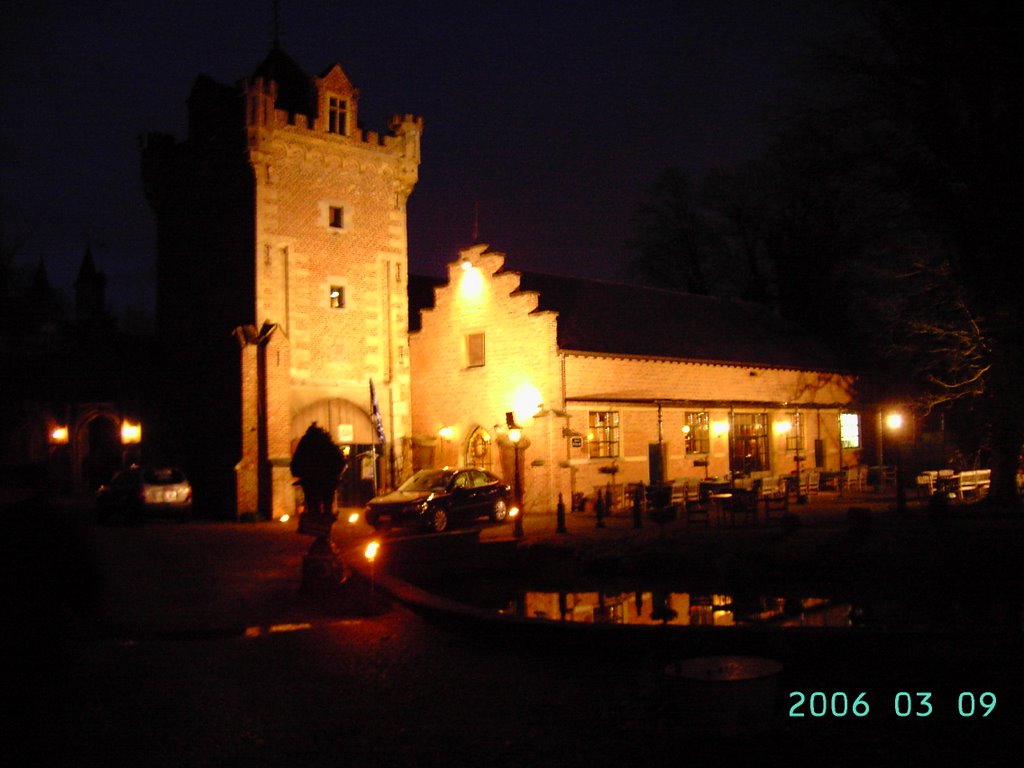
point(619, 319)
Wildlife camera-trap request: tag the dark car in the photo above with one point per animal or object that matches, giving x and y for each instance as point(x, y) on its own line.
point(433, 499)
point(145, 492)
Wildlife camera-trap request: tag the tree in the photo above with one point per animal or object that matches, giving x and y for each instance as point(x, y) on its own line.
point(922, 112)
point(671, 236)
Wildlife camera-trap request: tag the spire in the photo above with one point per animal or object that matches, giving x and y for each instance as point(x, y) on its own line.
point(87, 272)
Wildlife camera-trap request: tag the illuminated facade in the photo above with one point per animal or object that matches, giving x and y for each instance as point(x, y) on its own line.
point(617, 384)
point(282, 266)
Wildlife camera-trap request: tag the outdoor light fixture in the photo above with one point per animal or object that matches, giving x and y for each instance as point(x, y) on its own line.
point(131, 432)
point(783, 427)
point(59, 436)
point(353, 518)
point(894, 421)
point(446, 433)
point(719, 428)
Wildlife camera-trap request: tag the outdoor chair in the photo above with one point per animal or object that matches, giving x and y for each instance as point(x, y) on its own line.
point(743, 505)
point(776, 505)
point(697, 511)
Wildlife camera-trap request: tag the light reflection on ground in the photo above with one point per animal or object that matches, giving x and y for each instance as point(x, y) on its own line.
point(679, 609)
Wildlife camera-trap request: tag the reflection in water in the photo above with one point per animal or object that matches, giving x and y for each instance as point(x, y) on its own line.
point(680, 609)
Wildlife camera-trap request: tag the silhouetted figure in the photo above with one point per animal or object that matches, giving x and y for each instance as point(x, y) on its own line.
point(318, 463)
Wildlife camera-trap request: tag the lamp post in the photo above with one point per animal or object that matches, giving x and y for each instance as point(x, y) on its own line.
point(515, 435)
point(131, 435)
point(894, 423)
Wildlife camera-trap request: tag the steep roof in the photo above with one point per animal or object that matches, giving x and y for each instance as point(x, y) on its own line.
point(295, 91)
point(619, 319)
point(614, 318)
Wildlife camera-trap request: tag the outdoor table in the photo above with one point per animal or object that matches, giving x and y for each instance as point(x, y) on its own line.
point(718, 503)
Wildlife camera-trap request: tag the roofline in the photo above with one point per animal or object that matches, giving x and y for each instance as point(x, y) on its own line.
point(701, 361)
point(673, 402)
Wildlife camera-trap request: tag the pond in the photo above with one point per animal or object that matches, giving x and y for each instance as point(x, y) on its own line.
point(930, 610)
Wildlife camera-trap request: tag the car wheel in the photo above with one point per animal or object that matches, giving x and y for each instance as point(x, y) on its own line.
point(500, 511)
point(438, 520)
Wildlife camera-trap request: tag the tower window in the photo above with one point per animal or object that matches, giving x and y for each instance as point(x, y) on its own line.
point(336, 217)
point(337, 116)
point(337, 297)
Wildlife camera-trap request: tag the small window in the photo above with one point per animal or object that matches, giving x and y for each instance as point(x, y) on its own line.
point(335, 217)
point(337, 297)
point(337, 116)
point(475, 350)
point(603, 434)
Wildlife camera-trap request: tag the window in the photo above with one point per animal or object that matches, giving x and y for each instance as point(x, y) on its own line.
point(475, 350)
point(748, 443)
point(337, 297)
point(337, 116)
point(335, 217)
point(698, 439)
point(795, 436)
point(603, 434)
point(849, 430)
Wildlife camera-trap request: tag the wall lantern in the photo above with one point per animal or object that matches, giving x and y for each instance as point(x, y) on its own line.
point(719, 428)
point(131, 433)
point(59, 435)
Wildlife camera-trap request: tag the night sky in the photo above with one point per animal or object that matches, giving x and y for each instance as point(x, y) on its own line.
point(548, 117)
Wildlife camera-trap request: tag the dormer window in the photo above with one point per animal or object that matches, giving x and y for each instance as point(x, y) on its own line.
point(337, 115)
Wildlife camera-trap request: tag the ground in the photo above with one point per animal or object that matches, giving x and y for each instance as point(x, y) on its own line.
point(170, 644)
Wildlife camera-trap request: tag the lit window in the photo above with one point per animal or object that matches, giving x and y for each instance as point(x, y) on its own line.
point(603, 434)
point(475, 350)
point(698, 435)
point(335, 217)
point(849, 430)
point(337, 116)
point(337, 297)
point(795, 436)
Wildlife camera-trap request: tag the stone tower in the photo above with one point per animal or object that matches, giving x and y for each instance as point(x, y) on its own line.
point(281, 282)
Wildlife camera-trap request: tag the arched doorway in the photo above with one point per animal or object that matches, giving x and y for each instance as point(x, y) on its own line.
point(479, 449)
point(102, 451)
point(350, 427)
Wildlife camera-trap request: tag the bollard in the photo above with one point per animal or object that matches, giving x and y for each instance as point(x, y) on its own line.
point(599, 509)
point(560, 512)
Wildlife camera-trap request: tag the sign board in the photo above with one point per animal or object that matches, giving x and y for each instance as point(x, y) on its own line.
point(576, 442)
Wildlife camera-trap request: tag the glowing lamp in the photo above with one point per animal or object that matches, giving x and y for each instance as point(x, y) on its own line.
point(59, 436)
point(131, 433)
point(783, 427)
point(513, 511)
point(353, 518)
point(894, 421)
point(446, 432)
point(719, 428)
point(285, 518)
point(686, 429)
point(371, 550)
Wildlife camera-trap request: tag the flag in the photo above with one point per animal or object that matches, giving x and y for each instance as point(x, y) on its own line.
point(378, 424)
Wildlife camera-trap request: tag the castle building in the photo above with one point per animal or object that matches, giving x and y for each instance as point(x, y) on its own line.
point(614, 385)
point(281, 283)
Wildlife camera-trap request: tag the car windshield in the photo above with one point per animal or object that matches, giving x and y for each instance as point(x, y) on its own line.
point(163, 476)
point(427, 480)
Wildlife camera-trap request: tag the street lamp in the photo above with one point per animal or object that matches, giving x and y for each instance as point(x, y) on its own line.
point(515, 435)
point(894, 422)
point(445, 433)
